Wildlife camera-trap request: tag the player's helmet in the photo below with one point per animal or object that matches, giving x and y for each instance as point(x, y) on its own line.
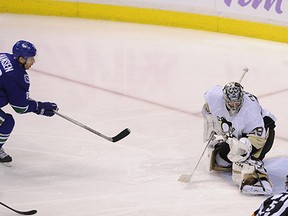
point(233, 96)
point(24, 49)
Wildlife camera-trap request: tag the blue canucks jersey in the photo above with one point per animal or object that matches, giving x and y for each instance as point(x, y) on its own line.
point(14, 85)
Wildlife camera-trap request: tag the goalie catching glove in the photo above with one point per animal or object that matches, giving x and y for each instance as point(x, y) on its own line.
point(240, 150)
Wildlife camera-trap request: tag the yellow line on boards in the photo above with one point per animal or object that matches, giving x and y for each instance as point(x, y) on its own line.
point(146, 16)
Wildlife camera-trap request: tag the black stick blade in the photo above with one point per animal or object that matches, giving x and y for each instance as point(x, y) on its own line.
point(121, 135)
point(31, 212)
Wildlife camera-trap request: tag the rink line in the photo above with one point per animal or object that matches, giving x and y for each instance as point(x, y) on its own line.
point(117, 93)
point(195, 114)
point(273, 93)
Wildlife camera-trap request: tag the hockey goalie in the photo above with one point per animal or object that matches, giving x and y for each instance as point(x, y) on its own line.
point(244, 133)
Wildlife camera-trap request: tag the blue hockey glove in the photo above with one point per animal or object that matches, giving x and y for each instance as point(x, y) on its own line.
point(46, 108)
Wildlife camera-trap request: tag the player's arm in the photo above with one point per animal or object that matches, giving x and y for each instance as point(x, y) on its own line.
point(18, 98)
point(256, 137)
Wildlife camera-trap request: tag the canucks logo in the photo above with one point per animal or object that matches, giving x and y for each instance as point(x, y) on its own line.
point(24, 45)
point(26, 79)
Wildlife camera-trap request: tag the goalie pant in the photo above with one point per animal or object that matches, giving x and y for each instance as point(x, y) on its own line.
point(276, 205)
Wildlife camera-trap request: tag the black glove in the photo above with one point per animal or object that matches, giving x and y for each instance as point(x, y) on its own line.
point(46, 108)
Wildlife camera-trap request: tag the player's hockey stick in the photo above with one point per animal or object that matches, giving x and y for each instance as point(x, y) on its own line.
point(31, 212)
point(116, 138)
point(185, 178)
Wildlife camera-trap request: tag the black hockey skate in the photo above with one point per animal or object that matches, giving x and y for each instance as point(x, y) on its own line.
point(4, 158)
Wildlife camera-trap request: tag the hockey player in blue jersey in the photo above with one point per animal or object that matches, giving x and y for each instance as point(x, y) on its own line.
point(14, 90)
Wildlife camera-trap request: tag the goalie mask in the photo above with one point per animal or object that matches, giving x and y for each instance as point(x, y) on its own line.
point(233, 96)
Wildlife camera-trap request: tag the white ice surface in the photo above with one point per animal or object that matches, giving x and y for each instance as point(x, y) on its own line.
point(151, 79)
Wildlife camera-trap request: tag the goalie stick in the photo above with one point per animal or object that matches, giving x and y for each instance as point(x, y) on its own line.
point(185, 178)
point(31, 212)
point(245, 70)
point(116, 138)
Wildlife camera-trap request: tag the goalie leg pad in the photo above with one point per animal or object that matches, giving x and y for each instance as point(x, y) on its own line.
point(211, 157)
point(251, 178)
point(212, 154)
point(263, 188)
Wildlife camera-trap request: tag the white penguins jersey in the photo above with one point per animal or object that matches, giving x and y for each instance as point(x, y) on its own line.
point(249, 119)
